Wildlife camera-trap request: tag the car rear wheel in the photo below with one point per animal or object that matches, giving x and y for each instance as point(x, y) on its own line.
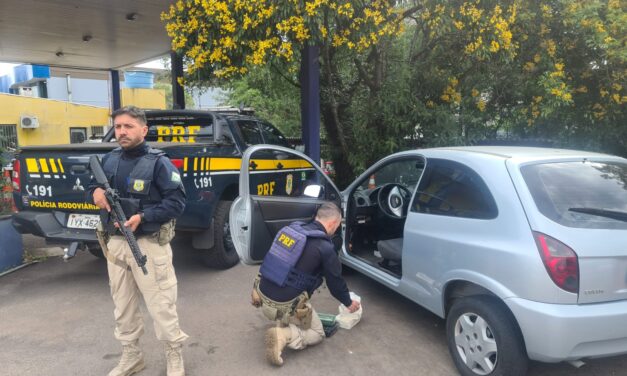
point(483, 338)
point(223, 254)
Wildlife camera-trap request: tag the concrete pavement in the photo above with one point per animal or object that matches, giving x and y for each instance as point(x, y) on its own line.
point(56, 318)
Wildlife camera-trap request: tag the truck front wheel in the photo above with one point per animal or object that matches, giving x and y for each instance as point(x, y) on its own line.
point(223, 254)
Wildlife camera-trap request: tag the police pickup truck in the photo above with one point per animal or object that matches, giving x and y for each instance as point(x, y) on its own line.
point(50, 181)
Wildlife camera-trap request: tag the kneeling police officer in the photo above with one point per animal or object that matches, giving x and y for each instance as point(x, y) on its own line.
point(301, 254)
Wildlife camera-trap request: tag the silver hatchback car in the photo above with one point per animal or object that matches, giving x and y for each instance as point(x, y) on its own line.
point(522, 250)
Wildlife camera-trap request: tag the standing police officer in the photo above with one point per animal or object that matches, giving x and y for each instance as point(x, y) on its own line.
point(292, 270)
point(152, 197)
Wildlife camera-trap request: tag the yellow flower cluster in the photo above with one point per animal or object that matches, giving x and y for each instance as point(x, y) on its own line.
point(451, 92)
point(599, 111)
point(550, 46)
point(529, 66)
point(294, 26)
point(534, 110)
point(559, 71)
point(562, 92)
point(232, 35)
point(492, 29)
point(481, 105)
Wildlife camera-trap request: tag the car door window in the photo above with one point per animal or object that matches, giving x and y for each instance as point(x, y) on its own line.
point(272, 136)
point(285, 174)
point(250, 132)
point(453, 189)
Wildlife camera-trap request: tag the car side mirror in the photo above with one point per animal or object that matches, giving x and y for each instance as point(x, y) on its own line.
point(313, 191)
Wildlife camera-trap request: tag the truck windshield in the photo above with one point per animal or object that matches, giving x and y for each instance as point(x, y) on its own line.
point(575, 193)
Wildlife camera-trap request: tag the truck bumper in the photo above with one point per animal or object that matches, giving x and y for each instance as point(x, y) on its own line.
point(558, 332)
point(51, 226)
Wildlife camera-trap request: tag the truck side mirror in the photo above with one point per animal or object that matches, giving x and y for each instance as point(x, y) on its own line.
point(312, 190)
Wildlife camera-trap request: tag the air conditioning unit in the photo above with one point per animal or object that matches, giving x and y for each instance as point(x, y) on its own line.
point(29, 122)
point(25, 91)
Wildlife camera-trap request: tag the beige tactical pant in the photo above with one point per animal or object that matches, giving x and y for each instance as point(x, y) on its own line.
point(158, 287)
point(301, 337)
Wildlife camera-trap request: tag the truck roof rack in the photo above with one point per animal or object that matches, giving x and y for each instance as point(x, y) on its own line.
point(241, 110)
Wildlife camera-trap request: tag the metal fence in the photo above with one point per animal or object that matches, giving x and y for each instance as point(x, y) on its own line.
point(8, 136)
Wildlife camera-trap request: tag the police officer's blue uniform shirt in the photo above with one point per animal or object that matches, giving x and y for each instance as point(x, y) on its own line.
point(318, 258)
point(170, 189)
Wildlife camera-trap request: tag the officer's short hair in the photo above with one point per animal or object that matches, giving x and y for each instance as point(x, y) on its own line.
point(328, 211)
point(132, 111)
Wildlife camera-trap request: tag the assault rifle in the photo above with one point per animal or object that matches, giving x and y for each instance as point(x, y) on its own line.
point(117, 213)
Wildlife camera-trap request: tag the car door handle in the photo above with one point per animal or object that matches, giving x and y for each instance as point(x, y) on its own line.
point(78, 169)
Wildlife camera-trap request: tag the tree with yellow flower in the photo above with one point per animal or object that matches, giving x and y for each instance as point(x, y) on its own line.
point(226, 39)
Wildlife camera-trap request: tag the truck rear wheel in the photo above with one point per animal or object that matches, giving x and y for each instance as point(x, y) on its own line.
point(223, 254)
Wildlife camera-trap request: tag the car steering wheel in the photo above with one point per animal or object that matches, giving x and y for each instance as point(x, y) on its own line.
point(393, 199)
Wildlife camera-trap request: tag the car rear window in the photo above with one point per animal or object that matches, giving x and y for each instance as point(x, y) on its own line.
point(581, 194)
point(180, 130)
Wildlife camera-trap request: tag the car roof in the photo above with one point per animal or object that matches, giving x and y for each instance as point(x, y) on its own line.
point(513, 152)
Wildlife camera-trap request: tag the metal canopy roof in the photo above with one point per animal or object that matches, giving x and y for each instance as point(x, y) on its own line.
point(89, 34)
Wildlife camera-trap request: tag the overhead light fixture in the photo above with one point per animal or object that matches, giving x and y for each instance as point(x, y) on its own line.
point(59, 53)
point(132, 16)
point(87, 37)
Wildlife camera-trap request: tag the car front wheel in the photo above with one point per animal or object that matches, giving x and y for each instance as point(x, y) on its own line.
point(483, 339)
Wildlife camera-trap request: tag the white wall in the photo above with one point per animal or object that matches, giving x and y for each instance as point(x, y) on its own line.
point(84, 91)
point(208, 98)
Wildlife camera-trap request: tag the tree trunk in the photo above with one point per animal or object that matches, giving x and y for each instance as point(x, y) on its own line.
point(337, 139)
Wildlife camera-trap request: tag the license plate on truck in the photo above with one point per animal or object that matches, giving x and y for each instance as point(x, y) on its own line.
point(88, 221)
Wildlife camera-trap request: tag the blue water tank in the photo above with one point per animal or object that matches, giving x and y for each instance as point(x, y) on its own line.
point(139, 79)
point(11, 247)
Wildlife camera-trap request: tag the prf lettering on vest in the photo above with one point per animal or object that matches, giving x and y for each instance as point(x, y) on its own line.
point(178, 133)
point(286, 241)
point(266, 189)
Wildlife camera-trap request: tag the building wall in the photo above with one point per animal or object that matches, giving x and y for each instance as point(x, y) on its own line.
point(143, 98)
point(55, 118)
point(94, 92)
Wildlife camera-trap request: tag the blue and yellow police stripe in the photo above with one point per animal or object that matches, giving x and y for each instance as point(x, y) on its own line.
point(46, 168)
point(201, 166)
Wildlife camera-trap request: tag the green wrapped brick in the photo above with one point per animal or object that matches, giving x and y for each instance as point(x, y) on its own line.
point(328, 323)
point(327, 319)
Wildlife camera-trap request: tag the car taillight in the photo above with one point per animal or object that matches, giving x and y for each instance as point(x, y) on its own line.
point(178, 163)
point(15, 176)
point(560, 261)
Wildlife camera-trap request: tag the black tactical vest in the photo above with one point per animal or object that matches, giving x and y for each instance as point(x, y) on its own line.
point(141, 188)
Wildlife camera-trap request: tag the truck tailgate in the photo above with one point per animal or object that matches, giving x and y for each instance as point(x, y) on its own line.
point(52, 199)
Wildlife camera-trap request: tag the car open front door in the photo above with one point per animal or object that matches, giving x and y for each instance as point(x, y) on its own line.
point(277, 186)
